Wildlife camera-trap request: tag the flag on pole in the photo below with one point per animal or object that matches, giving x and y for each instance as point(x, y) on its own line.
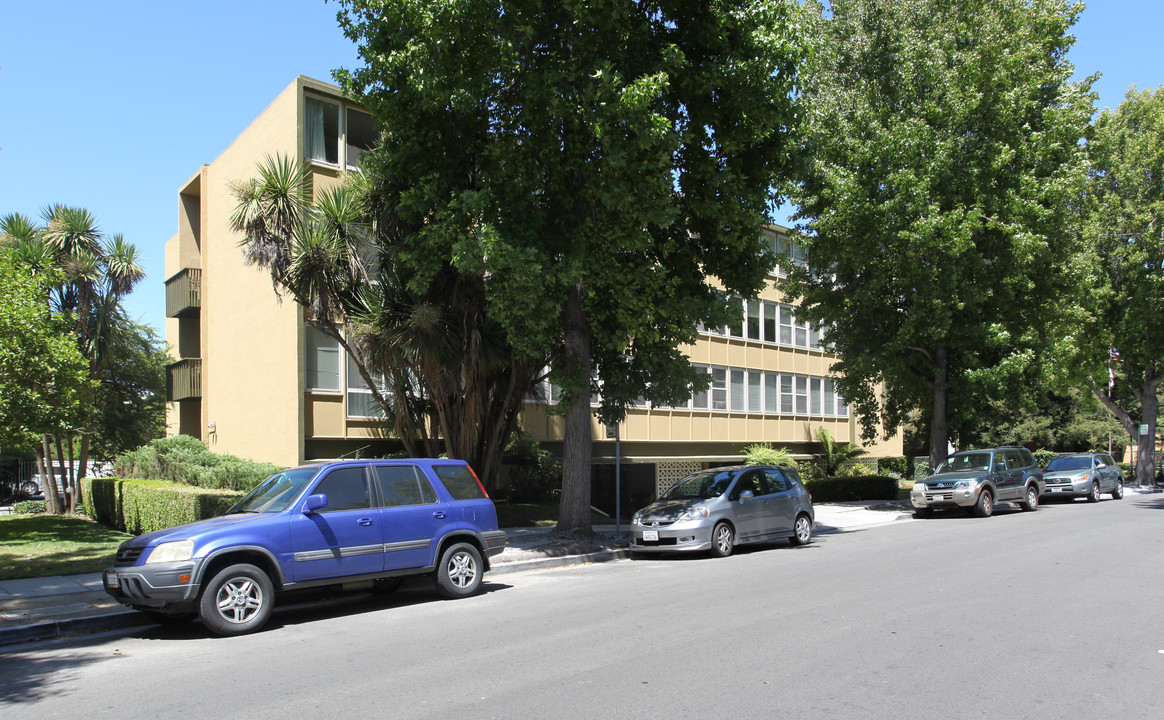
point(1110, 379)
point(1115, 355)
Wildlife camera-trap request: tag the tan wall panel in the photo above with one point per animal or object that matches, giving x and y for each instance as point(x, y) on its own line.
point(324, 415)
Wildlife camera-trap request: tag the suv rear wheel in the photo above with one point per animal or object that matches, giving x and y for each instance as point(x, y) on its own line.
point(459, 572)
point(237, 600)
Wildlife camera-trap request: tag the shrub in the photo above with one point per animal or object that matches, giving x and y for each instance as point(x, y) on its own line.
point(765, 454)
point(534, 473)
point(853, 487)
point(187, 460)
point(28, 507)
point(900, 466)
point(142, 506)
point(858, 469)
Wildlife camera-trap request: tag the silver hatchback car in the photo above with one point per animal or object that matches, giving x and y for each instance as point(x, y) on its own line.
point(720, 508)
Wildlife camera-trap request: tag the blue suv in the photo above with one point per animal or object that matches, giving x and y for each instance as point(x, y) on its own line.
point(335, 523)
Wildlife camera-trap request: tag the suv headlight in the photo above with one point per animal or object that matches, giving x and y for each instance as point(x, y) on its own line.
point(172, 552)
point(695, 513)
point(967, 484)
point(919, 488)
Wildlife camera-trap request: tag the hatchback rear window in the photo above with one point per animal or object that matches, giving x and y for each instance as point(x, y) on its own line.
point(460, 481)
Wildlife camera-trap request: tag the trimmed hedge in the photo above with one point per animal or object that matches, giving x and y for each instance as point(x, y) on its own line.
point(852, 487)
point(143, 506)
point(187, 460)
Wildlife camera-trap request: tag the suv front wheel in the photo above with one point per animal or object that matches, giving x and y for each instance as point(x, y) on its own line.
point(985, 505)
point(1031, 502)
point(237, 600)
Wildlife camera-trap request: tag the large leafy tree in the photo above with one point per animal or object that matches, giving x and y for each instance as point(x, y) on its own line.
point(91, 274)
point(1124, 267)
point(42, 373)
point(942, 147)
point(602, 169)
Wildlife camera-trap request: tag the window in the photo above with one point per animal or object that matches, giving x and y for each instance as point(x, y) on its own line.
point(323, 361)
point(814, 396)
point(719, 396)
point(699, 399)
point(771, 392)
point(801, 395)
point(830, 398)
point(321, 130)
point(814, 337)
point(785, 325)
point(402, 485)
point(360, 136)
point(738, 392)
point(346, 489)
point(771, 311)
point(753, 318)
point(776, 481)
point(361, 402)
point(460, 481)
point(842, 408)
point(787, 398)
point(736, 328)
point(755, 391)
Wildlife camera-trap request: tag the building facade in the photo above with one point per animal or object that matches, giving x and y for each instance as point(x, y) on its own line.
point(251, 378)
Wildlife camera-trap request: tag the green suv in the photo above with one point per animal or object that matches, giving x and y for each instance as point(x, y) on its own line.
point(977, 479)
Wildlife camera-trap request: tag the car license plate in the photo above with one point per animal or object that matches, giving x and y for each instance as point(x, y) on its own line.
point(111, 579)
point(938, 498)
point(650, 536)
point(1058, 489)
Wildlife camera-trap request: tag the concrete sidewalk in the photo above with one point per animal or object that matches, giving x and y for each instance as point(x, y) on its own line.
point(50, 607)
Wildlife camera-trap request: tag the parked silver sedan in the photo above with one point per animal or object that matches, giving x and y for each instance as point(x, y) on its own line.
point(1084, 475)
point(720, 508)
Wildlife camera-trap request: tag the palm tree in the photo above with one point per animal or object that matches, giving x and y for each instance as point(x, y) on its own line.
point(450, 379)
point(834, 456)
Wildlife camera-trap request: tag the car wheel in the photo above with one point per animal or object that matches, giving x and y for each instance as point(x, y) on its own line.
point(1118, 492)
point(985, 505)
point(926, 512)
point(237, 600)
point(384, 586)
point(1031, 503)
point(722, 540)
point(29, 488)
point(1093, 496)
point(802, 531)
point(459, 572)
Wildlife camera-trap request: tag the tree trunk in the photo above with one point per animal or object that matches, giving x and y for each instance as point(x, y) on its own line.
point(82, 466)
point(48, 479)
point(66, 477)
point(1150, 408)
point(574, 507)
point(939, 434)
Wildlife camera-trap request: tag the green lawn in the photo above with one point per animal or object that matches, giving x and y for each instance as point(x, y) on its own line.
point(42, 545)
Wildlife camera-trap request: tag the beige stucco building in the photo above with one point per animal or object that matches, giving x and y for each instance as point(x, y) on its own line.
point(250, 378)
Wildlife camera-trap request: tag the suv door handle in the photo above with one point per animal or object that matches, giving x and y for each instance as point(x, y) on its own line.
point(366, 522)
point(439, 515)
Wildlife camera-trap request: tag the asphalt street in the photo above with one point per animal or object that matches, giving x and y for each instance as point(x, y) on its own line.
point(1053, 614)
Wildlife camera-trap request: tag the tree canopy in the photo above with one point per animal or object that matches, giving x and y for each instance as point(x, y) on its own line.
point(941, 158)
point(602, 168)
point(1123, 267)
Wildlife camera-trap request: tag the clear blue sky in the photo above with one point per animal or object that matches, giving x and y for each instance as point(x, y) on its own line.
point(113, 106)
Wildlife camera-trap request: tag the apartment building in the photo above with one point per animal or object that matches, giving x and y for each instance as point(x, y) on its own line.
point(250, 378)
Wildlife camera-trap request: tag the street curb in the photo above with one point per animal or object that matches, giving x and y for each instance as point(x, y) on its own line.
point(71, 626)
point(563, 561)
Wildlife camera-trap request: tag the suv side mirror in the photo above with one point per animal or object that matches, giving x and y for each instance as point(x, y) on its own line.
point(999, 466)
point(313, 503)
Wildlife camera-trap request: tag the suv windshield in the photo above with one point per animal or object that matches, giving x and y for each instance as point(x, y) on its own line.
point(1069, 463)
point(701, 486)
point(275, 493)
point(964, 462)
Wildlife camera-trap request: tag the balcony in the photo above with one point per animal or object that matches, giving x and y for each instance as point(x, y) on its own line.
point(184, 293)
point(184, 380)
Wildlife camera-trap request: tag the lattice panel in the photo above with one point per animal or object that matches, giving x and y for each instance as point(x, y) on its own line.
point(670, 472)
